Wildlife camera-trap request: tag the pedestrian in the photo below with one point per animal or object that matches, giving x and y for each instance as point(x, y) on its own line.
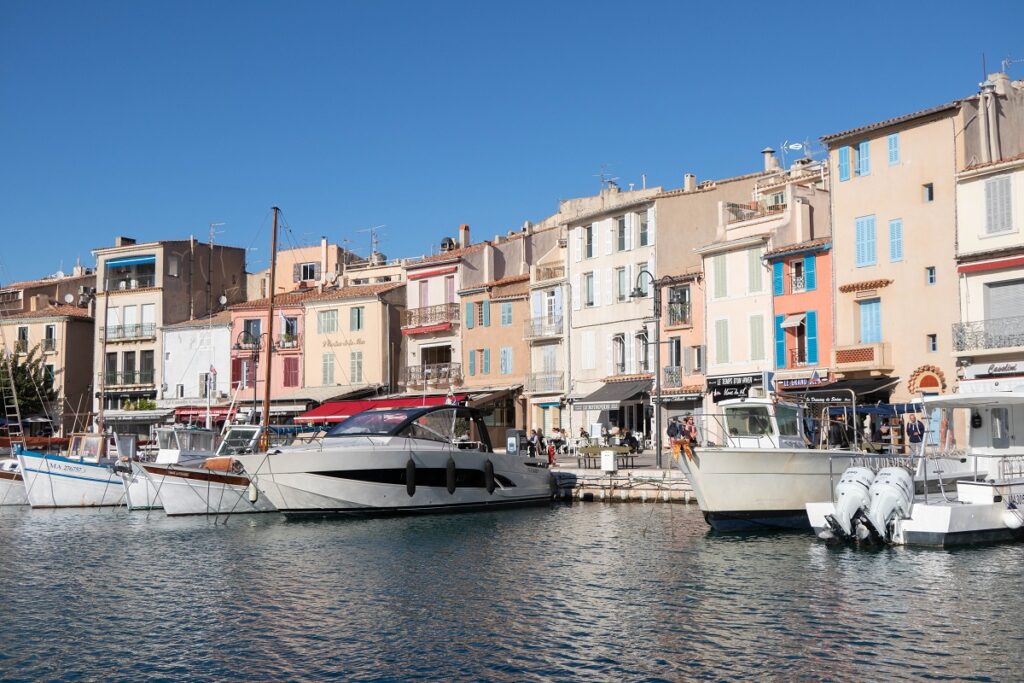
point(915, 429)
point(690, 430)
point(674, 430)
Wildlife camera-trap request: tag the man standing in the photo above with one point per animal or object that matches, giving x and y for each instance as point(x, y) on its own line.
point(915, 430)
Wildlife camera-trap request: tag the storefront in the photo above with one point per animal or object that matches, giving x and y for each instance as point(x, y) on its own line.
point(625, 405)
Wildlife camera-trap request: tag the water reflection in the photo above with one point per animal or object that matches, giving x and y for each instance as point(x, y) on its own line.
point(588, 591)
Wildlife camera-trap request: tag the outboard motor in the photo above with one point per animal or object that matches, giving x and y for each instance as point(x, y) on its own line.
point(851, 497)
point(892, 494)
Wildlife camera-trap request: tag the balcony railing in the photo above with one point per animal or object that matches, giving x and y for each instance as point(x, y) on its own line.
point(797, 357)
point(289, 341)
point(134, 331)
point(875, 356)
point(995, 333)
point(799, 283)
point(120, 379)
point(127, 283)
point(438, 373)
point(545, 326)
point(679, 314)
point(745, 212)
point(673, 377)
point(550, 272)
point(430, 315)
point(545, 381)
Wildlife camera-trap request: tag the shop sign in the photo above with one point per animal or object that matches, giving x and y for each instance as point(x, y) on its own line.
point(733, 386)
point(989, 369)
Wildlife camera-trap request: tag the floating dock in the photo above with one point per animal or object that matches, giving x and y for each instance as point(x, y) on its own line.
point(641, 483)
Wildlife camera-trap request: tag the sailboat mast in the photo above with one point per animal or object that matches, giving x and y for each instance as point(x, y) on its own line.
point(265, 439)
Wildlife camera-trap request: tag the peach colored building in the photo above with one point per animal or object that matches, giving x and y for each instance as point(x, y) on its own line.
point(302, 268)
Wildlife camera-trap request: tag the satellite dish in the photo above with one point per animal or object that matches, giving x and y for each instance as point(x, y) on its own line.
point(69, 298)
point(332, 277)
point(223, 299)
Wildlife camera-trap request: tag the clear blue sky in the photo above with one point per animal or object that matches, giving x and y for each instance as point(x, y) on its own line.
point(154, 119)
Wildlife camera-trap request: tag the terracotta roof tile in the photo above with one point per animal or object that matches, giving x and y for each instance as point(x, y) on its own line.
point(220, 318)
point(890, 122)
point(60, 310)
point(48, 281)
point(286, 299)
point(356, 292)
point(975, 167)
point(862, 286)
point(799, 247)
point(448, 255)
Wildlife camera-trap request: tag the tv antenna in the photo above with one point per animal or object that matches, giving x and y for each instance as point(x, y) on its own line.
point(374, 240)
point(606, 179)
point(1007, 62)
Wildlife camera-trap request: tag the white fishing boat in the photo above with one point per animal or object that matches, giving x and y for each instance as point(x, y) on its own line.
point(12, 487)
point(210, 485)
point(399, 461)
point(877, 504)
point(175, 446)
point(84, 476)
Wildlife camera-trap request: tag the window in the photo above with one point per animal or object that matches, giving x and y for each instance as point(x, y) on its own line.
point(618, 354)
point(174, 265)
point(894, 149)
point(679, 305)
point(929, 192)
point(621, 233)
point(896, 239)
point(449, 289)
point(290, 333)
point(327, 322)
point(929, 275)
point(698, 359)
point(933, 342)
point(844, 163)
point(327, 368)
point(588, 289)
point(675, 352)
point(128, 368)
point(588, 242)
point(998, 205)
point(644, 237)
point(308, 271)
point(110, 369)
point(505, 360)
point(643, 352)
point(864, 159)
point(51, 372)
point(506, 314)
point(355, 362)
point(621, 285)
point(387, 278)
point(179, 391)
point(424, 293)
point(291, 371)
point(721, 341)
point(797, 270)
point(483, 313)
point(721, 286)
point(754, 279)
point(50, 338)
point(355, 316)
point(870, 321)
point(643, 282)
point(757, 337)
point(864, 235)
point(252, 330)
point(204, 384)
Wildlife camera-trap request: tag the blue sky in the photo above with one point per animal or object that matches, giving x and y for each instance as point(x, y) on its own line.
point(155, 119)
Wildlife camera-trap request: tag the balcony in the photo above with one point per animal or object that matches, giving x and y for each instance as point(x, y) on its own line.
point(286, 342)
point(545, 326)
point(128, 332)
point(431, 316)
point(545, 382)
point(672, 378)
point(550, 273)
point(679, 314)
point(124, 379)
point(876, 358)
point(799, 284)
point(989, 335)
point(737, 213)
point(798, 358)
point(438, 373)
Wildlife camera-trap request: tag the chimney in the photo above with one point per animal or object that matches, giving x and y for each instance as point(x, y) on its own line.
point(1001, 81)
point(689, 182)
point(463, 236)
point(771, 163)
point(123, 241)
point(323, 261)
point(527, 227)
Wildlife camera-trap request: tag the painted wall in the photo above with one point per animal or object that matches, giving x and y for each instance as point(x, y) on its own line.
point(188, 353)
point(372, 341)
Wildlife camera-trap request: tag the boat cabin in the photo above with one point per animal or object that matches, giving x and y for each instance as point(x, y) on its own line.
point(175, 444)
point(239, 440)
point(762, 423)
point(88, 447)
point(995, 423)
point(459, 426)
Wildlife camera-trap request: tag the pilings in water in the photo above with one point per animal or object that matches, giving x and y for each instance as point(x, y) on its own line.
point(625, 486)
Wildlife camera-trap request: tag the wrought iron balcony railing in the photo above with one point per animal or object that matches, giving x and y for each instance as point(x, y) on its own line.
point(430, 315)
point(679, 314)
point(799, 283)
point(289, 341)
point(120, 379)
point(437, 373)
point(545, 326)
point(21, 346)
point(673, 377)
point(545, 381)
point(133, 331)
point(49, 345)
point(550, 273)
point(995, 333)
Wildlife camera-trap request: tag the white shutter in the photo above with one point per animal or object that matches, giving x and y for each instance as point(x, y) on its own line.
point(651, 214)
point(630, 279)
point(687, 353)
point(609, 281)
point(579, 244)
point(596, 277)
point(629, 231)
point(609, 233)
point(589, 362)
point(536, 309)
point(576, 292)
point(610, 356)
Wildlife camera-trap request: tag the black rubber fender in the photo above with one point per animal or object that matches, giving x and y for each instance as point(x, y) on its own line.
point(489, 476)
point(410, 478)
point(450, 478)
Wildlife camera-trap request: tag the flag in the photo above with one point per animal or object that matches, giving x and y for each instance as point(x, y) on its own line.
point(213, 371)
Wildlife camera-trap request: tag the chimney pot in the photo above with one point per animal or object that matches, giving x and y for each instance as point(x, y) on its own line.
point(689, 182)
point(770, 162)
point(463, 235)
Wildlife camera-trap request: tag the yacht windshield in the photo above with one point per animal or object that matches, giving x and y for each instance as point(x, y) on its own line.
point(788, 419)
point(371, 422)
point(238, 440)
point(748, 421)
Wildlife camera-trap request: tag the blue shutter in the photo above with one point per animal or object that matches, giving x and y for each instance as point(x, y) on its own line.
point(865, 237)
point(844, 163)
point(485, 366)
point(472, 363)
point(780, 343)
point(870, 231)
point(870, 322)
point(810, 273)
point(894, 149)
point(778, 285)
point(896, 239)
point(469, 316)
point(812, 337)
point(487, 313)
point(863, 158)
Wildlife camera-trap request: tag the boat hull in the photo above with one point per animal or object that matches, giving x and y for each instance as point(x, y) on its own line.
point(12, 489)
point(757, 489)
point(140, 492)
point(351, 481)
point(198, 491)
point(53, 481)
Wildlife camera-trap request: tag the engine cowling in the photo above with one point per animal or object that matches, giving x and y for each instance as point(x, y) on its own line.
point(891, 494)
point(852, 495)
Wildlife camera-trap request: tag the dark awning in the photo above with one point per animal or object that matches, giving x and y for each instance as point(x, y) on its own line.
point(609, 396)
point(865, 390)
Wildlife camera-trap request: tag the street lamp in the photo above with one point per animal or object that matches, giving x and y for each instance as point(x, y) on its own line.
point(246, 341)
point(639, 293)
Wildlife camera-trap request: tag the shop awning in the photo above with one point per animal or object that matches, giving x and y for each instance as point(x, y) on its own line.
point(336, 411)
point(136, 415)
point(198, 413)
point(792, 321)
point(613, 394)
point(845, 390)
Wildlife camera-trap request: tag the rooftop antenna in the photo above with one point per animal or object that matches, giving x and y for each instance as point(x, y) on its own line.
point(1007, 62)
point(374, 241)
point(606, 179)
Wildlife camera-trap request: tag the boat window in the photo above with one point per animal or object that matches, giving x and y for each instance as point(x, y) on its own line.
point(372, 423)
point(788, 419)
point(91, 446)
point(196, 441)
point(238, 440)
point(748, 421)
point(448, 426)
point(165, 439)
point(1000, 428)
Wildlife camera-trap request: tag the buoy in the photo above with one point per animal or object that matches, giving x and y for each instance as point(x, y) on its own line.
point(254, 493)
point(489, 476)
point(410, 478)
point(451, 475)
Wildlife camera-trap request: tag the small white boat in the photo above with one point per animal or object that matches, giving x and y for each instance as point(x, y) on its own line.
point(84, 476)
point(175, 445)
point(208, 486)
point(399, 461)
point(881, 507)
point(12, 487)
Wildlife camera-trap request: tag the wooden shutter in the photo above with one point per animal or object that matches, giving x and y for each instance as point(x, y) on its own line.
point(778, 284)
point(780, 343)
point(810, 273)
point(896, 240)
point(864, 158)
point(756, 337)
point(811, 321)
point(487, 313)
point(721, 341)
point(578, 256)
point(844, 163)
point(469, 315)
point(651, 214)
point(296, 272)
point(472, 362)
point(576, 295)
point(894, 149)
point(486, 365)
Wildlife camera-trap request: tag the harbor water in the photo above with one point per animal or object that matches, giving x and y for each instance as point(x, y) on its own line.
point(589, 591)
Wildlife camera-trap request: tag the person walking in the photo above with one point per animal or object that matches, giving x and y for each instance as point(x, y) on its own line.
point(915, 430)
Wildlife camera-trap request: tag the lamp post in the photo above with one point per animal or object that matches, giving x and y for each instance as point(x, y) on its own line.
point(638, 293)
point(250, 342)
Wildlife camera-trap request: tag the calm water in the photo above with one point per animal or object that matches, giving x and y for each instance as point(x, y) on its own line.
point(592, 592)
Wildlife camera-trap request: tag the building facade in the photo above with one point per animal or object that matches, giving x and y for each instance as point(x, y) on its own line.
point(197, 369)
point(544, 331)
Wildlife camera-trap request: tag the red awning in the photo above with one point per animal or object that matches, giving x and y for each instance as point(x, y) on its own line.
point(336, 411)
point(426, 329)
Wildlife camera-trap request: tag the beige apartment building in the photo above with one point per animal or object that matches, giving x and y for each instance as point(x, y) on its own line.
point(302, 268)
point(894, 234)
point(544, 331)
point(139, 289)
point(72, 288)
point(62, 335)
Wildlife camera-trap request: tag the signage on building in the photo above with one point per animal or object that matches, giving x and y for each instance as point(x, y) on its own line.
point(734, 386)
point(811, 381)
point(989, 369)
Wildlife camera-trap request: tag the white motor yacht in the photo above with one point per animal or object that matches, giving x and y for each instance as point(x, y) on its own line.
point(399, 461)
point(84, 476)
point(879, 505)
point(12, 487)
